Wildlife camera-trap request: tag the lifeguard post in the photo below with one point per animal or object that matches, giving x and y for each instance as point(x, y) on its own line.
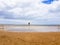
point(28, 23)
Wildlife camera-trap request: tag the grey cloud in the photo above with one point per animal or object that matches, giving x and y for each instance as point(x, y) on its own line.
point(6, 14)
point(9, 15)
point(57, 10)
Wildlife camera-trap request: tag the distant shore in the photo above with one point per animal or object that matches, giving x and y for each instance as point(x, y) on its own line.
point(32, 24)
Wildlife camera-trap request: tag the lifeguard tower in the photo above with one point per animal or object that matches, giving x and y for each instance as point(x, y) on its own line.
point(28, 23)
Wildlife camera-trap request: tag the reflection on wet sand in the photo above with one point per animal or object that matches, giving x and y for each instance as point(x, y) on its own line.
point(33, 28)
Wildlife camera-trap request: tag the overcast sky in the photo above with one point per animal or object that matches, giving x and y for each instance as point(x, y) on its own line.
point(34, 11)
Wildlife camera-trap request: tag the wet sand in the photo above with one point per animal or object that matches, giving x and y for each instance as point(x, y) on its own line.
point(33, 28)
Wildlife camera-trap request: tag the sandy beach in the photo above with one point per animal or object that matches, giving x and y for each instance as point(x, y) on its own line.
point(29, 38)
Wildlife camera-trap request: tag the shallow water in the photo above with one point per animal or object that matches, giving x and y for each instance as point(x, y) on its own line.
point(33, 28)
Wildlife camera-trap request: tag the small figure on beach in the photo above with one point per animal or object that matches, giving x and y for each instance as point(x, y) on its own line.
point(29, 23)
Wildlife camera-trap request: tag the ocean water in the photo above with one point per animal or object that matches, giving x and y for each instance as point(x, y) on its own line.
point(32, 28)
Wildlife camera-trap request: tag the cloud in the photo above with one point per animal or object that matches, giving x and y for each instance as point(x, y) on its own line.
point(31, 10)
